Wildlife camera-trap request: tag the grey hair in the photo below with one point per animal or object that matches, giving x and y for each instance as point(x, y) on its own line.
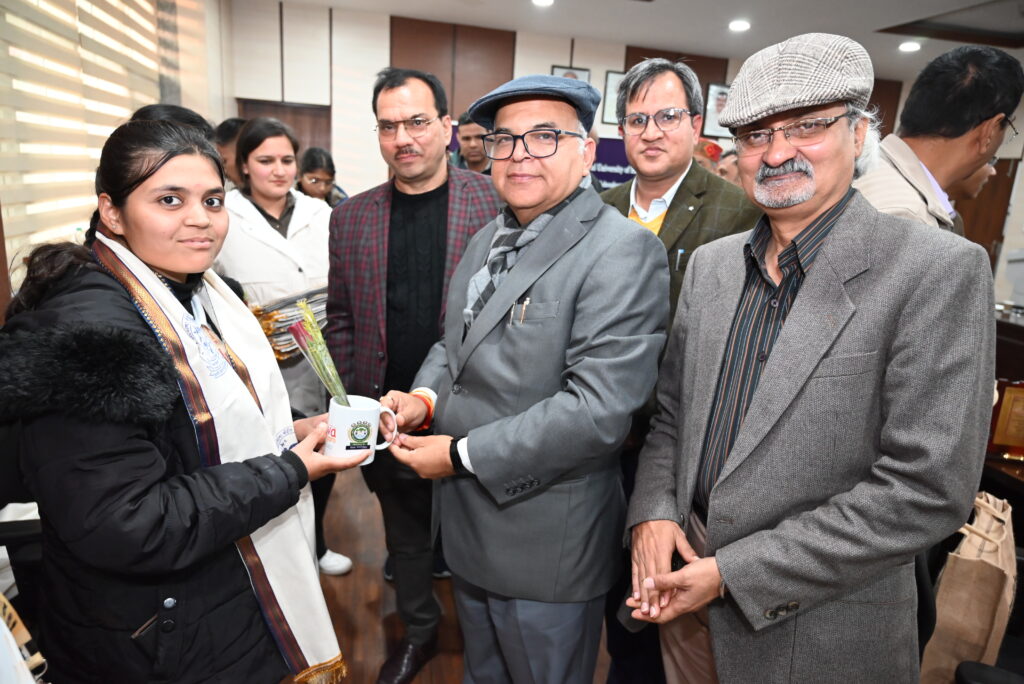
point(868, 156)
point(584, 132)
point(638, 79)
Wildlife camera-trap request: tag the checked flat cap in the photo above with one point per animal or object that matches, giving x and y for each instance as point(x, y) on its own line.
point(581, 95)
point(805, 71)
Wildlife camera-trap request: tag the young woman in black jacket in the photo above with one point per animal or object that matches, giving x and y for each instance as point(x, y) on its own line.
point(138, 393)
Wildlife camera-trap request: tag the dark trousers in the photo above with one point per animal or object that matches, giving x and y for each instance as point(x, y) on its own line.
point(635, 656)
point(406, 506)
point(321, 494)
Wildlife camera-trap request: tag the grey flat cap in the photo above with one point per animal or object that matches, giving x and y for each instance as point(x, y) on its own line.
point(804, 71)
point(581, 95)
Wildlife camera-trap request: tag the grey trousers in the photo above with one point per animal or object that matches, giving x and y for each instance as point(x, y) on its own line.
point(527, 642)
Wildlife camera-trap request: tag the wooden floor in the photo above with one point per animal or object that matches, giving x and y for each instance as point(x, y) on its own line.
point(362, 604)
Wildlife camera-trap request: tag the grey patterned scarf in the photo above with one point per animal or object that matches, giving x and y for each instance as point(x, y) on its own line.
point(510, 239)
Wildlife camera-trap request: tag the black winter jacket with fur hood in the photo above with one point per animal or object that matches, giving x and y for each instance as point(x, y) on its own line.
point(141, 579)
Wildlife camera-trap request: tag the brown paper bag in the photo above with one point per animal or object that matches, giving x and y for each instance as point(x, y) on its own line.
point(975, 593)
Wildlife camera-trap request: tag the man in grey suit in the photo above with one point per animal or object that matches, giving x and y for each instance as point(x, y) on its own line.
point(823, 403)
point(563, 304)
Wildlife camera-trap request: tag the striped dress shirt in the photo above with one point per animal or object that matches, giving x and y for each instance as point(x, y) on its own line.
point(759, 318)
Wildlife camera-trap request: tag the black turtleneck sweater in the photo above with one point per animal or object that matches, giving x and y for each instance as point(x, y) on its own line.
point(417, 245)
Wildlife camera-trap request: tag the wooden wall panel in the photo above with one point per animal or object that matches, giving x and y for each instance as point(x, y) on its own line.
point(311, 123)
point(886, 96)
point(708, 69)
point(484, 59)
point(424, 45)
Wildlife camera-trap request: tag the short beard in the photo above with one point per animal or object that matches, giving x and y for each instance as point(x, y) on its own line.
point(779, 197)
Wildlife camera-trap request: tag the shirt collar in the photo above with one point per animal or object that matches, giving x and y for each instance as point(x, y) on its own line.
point(659, 205)
point(939, 192)
point(805, 246)
point(289, 205)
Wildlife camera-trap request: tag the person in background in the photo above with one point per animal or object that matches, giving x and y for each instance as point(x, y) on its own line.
point(556, 315)
point(707, 153)
point(658, 105)
point(959, 111)
point(595, 182)
point(393, 249)
point(175, 539)
point(823, 403)
point(277, 250)
point(225, 138)
point(316, 177)
point(727, 168)
point(969, 188)
point(470, 154)
point(176, 113)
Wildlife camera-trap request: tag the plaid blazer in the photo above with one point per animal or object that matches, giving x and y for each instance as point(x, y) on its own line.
point(357, 283)
point(704, 208)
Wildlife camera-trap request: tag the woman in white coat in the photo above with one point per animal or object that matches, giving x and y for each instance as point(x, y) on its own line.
point(277, 249)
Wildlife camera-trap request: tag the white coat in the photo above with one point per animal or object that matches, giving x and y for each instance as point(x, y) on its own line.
point(268, 265)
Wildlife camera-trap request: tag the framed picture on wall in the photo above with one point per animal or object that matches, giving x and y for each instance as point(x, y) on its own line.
point(578, 73)
point(718, 95)
point(611, 90)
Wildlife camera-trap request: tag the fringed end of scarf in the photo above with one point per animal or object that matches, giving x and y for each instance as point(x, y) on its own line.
point(329, 672)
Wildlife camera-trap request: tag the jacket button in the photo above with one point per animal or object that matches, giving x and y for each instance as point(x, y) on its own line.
point(770, 614)
point(167, 626)
point(793, 605)
point(456, 388)
point(781, 610)
point(169, 603)
point(380, 355)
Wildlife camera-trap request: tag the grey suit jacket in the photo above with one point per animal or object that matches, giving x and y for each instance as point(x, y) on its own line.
point(545, 398)
point(862, 446)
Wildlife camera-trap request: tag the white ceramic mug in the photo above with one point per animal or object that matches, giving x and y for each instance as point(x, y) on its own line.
point(354, 427)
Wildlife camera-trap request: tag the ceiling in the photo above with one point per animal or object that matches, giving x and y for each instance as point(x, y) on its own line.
point(701, 26)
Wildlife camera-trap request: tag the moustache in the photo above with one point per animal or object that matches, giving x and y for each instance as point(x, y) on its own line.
point(794, 165)
point(408, 149)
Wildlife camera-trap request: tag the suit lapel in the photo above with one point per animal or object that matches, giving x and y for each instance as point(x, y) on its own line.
point(564, 231)
point(712, 335)
point(684, 206)
point(472, 260)
point(458, 212)
point(380, 215)
point(820, 312)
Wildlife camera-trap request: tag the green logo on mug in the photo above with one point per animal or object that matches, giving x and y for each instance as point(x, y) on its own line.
point(359, 433)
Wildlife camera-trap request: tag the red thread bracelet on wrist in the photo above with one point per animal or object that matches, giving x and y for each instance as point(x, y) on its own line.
point(430, 411)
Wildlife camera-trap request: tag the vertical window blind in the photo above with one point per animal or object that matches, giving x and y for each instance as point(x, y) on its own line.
point(70, 72)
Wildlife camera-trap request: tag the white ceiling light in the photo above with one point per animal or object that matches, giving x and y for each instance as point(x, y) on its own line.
point(543, 3)
point(910, 46)
point(739, 25)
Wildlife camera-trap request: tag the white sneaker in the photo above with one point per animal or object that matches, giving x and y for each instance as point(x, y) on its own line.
point(332, 563)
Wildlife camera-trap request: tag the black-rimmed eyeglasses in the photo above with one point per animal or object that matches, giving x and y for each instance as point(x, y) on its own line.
point(665, 119)
point(799, 133)
point(538, 143)
point(415, 127)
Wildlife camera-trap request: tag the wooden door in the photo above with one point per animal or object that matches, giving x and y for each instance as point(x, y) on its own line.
point(311, 123)
point(985, 216)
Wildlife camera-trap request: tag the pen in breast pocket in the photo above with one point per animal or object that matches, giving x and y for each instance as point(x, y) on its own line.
point(679, 254)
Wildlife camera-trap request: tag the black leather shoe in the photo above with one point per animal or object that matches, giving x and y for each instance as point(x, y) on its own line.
point(405, 661)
